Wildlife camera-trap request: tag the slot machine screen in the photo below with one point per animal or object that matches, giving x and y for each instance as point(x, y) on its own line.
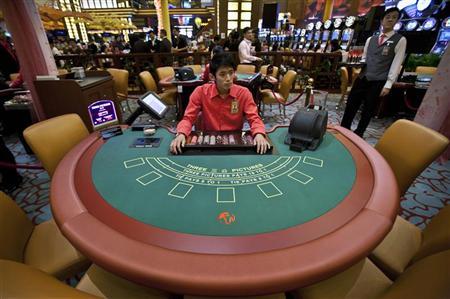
point(335, 35)
point(429, 24)
point(444, 36)
point(309, 36)
point(446, 23)
point(346, 36)
point(325, 35)
point(317, 35)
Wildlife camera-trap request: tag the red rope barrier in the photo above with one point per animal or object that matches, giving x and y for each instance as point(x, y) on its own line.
point(283, 102)
point(408, 104)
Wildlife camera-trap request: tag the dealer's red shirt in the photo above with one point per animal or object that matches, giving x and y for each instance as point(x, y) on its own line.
point(217, 114)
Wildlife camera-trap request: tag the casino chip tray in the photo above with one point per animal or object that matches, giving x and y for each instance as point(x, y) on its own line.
point(221, 143)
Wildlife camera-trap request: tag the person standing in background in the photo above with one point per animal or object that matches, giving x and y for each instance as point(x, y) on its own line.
point(384, 56)
point(8, 60)
point(153, 43)
point(165, 46)
point(179, 41)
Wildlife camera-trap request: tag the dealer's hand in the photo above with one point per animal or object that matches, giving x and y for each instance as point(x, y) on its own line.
point(384, 92)
point(177, 143)
point(262, 145)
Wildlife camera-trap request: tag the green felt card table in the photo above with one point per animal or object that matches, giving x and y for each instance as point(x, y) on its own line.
point(224, 225)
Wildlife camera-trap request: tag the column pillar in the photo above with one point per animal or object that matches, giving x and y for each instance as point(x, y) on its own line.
point(434, 112)
point(354, 7)
point(35, 56)
point(297, 10)
point(223, 16)
point(162, 11)
point(328, 10)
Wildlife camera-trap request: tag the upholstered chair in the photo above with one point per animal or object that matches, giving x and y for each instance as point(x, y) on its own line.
point(267, 95)
point(169, 96)
point(41, 246)
point(53, 138)
point(18, 280)
point(246, 69)
point(426, 278)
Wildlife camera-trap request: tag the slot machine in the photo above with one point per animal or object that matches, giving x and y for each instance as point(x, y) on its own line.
point(309, 36)
point(398, 26)
point(301, 39)
point(443, 38)
point(294, 39)
point(325, 36)
point(317, 34)
point(412, 25)
point(347, 34)
point(263, 33)
point(336, 33)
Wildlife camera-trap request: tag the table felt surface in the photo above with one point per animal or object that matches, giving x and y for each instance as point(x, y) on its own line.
point(217, 195)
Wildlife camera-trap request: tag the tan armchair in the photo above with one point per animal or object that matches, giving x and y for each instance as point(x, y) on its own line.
point(120, 78)
point(169, 96)
point(267, 96)
point(53, 138)
point(42, 246)
point(426, 70)
point(165, 72)
point(406, 243)
point(345, 87)
point(409, 148)
point(263, 71)
point(104, 284)
point(427, 278)
point(197, 68)
point(22, 281)
point(246, 69)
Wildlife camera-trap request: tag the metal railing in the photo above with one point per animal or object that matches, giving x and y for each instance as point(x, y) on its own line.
point(322, 67)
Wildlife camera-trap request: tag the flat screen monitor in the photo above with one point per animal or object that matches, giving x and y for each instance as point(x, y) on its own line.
point(346, 35)
point(317, 35)
point(335, 35)
point(444, 36)
point(325, 35)
point(152, 104)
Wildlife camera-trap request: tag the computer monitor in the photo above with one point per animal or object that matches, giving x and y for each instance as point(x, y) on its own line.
point(444, 36)
point(346, 36)
point(335, 35)
point(152, 104)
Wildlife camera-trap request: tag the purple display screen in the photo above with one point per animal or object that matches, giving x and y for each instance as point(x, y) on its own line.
point(102, 112)
point(335, 35)
point(317, 35)
point(325, 35)
point(346, 36)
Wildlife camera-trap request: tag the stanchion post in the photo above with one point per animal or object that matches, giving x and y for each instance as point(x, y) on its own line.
point(309, 90)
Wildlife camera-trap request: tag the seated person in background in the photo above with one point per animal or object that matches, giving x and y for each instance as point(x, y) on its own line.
point(17, 83)
point(245, 48)
point(223, 106)
point(215, 50)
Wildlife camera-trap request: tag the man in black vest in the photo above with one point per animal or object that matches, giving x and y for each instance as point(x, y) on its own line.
point(384, 56)
point(165, 46)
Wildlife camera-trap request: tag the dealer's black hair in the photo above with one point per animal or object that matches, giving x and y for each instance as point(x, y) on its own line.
point(221, 60)
point(389, 10)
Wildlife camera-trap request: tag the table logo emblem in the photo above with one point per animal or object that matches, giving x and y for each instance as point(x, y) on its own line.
point(226, 218)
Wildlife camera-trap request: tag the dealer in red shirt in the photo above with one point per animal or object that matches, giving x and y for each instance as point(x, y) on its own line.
point(223, 105)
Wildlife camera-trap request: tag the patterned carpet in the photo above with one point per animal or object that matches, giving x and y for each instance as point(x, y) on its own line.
point(429, 193)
